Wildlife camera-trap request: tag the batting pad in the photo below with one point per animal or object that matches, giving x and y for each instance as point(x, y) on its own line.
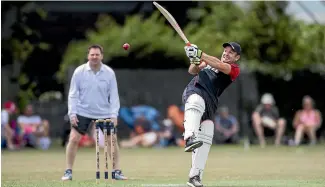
point(200, 155)
point(194, 109)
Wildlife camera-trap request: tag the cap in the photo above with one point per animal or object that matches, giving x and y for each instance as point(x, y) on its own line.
point(267, 98)
point(235, 46)
point(9, 105)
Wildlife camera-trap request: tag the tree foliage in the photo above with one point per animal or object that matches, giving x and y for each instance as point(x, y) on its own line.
point(281, 43)
point(272, 41)
point(149, 35)
point(19, 42)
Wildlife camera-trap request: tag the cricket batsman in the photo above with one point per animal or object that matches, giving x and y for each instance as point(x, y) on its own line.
point(93, 95)
point(201, 95)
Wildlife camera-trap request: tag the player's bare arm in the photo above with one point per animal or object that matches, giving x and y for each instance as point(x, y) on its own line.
point(193, 69)
point(216, 63)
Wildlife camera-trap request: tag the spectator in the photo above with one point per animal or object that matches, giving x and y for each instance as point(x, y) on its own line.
point(143, 135)
point(307, 120)
point(35, 131)
point(166, 134)
point(267, 115)
point(173, 127)
point(130, 115)
point(227, 127)
point(7, 133)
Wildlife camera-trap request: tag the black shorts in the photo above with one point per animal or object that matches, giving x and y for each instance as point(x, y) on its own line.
point(210, 106)
point(85, 125)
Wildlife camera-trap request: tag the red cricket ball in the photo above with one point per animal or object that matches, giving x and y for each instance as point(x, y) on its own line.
point(126, 46)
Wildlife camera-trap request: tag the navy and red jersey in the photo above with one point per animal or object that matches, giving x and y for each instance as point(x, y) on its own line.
point(210, 84)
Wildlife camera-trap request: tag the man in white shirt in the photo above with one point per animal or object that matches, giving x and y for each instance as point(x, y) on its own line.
point(34, 129)
point(93, 95)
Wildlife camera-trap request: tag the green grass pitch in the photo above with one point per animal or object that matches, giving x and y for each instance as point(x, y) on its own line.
point(227, 166)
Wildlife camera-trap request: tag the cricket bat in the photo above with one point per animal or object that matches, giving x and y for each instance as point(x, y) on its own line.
point(173, 22)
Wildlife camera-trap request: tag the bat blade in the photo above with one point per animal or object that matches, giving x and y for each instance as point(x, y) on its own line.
point(172, 22)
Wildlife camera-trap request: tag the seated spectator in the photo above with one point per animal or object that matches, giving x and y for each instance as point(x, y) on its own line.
point(307, 120)
point(7, 133)
point(34, 130)
point(226, 127)
point(143, 135)
point(267, 115)
point(166, 133)
point(130, 115)
point(173, 127)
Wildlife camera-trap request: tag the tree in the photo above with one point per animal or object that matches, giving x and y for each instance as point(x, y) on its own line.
point(145, 36)
point(281, 41)
point(19, 40)
point(272, 41)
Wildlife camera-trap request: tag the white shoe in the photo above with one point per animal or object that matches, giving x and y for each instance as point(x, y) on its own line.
point(194, 182)
point(67, 175)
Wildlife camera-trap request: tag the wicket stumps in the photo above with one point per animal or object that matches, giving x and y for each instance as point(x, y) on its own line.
point(104, 125)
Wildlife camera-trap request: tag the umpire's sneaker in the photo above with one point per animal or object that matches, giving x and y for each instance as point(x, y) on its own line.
point(119, 175)
point(192, 143)
point(194, 182)
point(67, 175)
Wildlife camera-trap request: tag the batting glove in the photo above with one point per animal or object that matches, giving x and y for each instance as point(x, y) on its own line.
point(193, 52)
point(195, 61)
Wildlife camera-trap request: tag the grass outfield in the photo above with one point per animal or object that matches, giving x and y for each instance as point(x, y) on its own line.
point(227, 166)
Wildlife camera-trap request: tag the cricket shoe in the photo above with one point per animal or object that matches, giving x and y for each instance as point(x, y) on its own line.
point(194, 182)
point(191, 144)
point(67, 175)
point(118, 175)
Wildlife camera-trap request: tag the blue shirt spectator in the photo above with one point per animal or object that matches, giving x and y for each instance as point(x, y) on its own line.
point(226, 130)
point(130, 115)
point(226, 123)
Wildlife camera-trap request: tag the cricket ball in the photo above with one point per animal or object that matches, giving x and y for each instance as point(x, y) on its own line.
point(126, 46)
